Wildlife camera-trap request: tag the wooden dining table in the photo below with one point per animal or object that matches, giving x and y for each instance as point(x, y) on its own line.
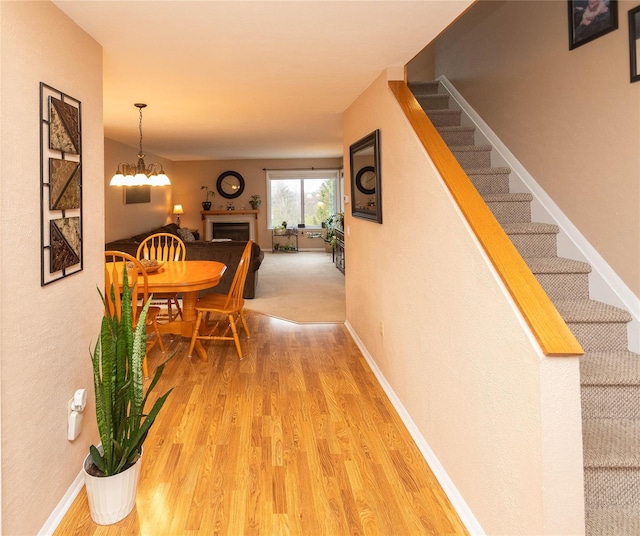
point(187, 278)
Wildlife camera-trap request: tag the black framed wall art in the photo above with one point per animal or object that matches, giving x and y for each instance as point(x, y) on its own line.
point(590, 19)
point(366, 183)
point(60, 185)
point(634, 43)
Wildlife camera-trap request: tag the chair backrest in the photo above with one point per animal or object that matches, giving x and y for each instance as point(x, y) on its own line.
point(234, 297)
point(164, 247)
point(114, 265)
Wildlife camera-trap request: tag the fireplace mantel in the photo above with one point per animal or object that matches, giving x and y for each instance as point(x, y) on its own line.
point(224, 215)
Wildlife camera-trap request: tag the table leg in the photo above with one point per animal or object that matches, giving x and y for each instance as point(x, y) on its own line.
point(189, 316)
point(185, 326)
point(189, 300)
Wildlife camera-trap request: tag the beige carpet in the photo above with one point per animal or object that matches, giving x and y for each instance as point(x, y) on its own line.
point(302, 287)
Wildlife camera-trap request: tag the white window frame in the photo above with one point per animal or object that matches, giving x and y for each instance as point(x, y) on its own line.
point(290, 174)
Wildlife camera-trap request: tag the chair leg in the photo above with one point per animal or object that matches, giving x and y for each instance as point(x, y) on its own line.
point(244, 323)
point(177, 304)
point(158, 336)
point(196, 331)
point(236, 339)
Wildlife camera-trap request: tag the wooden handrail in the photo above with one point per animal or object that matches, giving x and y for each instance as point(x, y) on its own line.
point(548, 327)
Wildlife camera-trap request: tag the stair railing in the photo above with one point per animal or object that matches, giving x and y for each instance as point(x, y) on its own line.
point(546, 324)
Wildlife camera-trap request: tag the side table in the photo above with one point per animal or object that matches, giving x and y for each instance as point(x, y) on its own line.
point(291, 243)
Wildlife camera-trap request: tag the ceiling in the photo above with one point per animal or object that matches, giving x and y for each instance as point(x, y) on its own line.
point(247, 79)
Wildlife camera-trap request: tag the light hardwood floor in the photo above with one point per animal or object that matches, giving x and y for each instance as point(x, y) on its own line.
point(297, 439)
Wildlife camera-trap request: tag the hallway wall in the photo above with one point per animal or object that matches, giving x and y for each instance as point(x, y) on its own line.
point(45, 332)
point(502, 419)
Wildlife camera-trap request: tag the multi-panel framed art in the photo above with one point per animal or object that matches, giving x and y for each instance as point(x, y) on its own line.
point(60, 184)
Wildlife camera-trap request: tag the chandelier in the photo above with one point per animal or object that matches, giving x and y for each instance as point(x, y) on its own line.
point(139, 174)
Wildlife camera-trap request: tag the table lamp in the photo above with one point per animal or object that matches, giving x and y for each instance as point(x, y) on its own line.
point(177, 210)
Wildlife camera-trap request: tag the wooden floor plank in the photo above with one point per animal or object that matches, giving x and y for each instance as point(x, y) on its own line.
point(297, 438)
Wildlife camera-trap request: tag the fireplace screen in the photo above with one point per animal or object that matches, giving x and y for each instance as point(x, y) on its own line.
point(230, 230)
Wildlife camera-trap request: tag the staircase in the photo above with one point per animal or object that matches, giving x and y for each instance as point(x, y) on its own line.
point(609, 373)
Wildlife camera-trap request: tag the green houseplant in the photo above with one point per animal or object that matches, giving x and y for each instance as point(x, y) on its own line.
point(255, 201)
point(332, 223)
point(120, 409)
point(206, 204)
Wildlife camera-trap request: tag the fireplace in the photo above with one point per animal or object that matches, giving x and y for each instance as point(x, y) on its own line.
point(230, 229)
point(230, 224)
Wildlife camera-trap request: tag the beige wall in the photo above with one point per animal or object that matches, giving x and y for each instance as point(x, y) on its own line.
point(503, 421)
point(126, 220)
point(45, 331)
point(571, 117)
point(187, 178)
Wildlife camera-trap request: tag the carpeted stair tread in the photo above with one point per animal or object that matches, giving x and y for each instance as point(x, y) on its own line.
point(610, 368)
point(456, 129)
point(470, 148)
point(557, 265)
point(433, 101)
point(612, 521)
point(590, 311)
point(445, 117)
point(423, 88)
point(611, 442)
point(507, 198)
point(457, 135)
point(446, 111)
point(530, 228)
point(488, 171)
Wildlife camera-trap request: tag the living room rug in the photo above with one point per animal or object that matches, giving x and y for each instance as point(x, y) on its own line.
point(302, 287)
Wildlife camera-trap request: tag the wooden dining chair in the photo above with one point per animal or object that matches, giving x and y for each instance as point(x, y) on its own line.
point(138, 283)
point(228, 307)
point(164, 247)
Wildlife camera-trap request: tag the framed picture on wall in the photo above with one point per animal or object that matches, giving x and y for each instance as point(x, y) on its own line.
point(634, 43)
point(60, 185)
point(137, 194)
point(590, 19)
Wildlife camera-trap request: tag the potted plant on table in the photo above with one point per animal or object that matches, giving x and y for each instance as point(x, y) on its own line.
point(206, 204)
point(255, 201)
point(112, 469)
point(333, 222)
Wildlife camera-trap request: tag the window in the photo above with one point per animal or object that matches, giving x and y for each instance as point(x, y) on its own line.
point(308, 197)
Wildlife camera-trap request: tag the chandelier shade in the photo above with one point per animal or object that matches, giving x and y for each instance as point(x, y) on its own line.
point(140, 174)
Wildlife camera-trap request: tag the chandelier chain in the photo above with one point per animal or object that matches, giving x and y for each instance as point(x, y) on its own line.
point(140, 174)
point(141, 155)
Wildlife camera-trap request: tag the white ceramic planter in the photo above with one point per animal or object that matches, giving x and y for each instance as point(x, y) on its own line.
point(111, 498)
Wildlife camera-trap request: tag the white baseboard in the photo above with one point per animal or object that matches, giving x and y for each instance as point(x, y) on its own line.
point(458, 502)
point(63, 506)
